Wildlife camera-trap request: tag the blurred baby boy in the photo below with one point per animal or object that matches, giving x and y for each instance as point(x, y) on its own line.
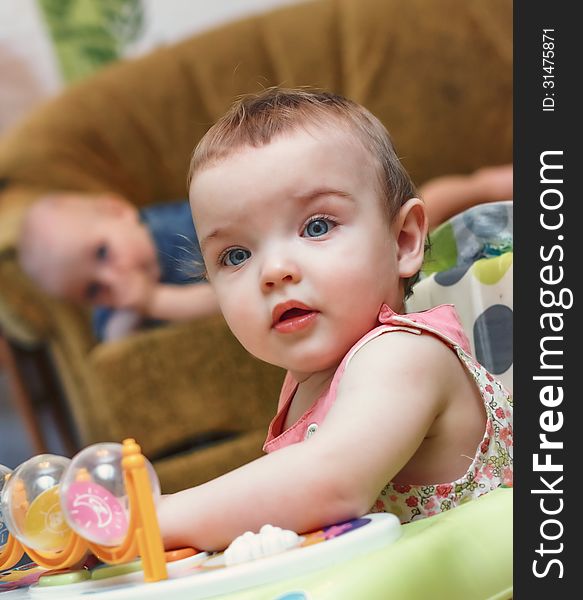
point(135, 267)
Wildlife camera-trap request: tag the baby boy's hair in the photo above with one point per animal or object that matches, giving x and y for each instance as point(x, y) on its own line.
point(255, 120)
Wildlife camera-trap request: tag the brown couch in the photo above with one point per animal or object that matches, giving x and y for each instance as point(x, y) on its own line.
point(438, 74)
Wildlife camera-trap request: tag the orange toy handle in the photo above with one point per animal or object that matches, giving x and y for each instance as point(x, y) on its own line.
point(143, 536)
point(148, 533)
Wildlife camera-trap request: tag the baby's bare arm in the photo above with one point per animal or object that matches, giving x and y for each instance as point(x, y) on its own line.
point(164, 301)
point(294, 488)
point(383, 411)
point(448, 195)
point(181, 302)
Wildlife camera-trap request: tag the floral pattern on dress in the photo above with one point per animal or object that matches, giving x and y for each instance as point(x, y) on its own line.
point(491, 467)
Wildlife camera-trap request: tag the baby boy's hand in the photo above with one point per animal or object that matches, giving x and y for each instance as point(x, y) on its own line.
point(136, 292)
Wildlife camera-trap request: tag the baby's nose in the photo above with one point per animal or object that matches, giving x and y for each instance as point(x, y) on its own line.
point(279, 272)
point(112, 276)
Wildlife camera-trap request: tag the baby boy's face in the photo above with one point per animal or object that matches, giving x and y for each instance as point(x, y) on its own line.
point(297, 245)
point(95, 251)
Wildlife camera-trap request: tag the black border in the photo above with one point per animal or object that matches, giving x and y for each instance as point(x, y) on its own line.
point(535, 131)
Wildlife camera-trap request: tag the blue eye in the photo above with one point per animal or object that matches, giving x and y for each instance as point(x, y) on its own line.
point(318, 227)
point(101, 252)
point(235, 257)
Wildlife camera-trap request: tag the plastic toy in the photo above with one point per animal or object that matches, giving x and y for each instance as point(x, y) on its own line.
point(34, 511)
point(106, 494)
point(4, 473)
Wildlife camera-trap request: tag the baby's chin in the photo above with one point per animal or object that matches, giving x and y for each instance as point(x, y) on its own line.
point(304, 363)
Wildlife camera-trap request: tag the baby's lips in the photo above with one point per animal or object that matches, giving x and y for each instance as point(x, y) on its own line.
point(283, 307)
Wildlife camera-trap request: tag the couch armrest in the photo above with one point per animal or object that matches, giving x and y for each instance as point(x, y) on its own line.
point(169, 386)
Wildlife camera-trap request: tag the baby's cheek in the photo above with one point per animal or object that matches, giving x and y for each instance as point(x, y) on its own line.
point(240, 314)
point(245, 331)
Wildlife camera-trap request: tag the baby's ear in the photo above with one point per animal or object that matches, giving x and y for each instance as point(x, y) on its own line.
point(410, 232)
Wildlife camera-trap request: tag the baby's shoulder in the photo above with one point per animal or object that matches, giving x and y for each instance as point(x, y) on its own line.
point(406, 358)
point(413, 372)
point(405, 348)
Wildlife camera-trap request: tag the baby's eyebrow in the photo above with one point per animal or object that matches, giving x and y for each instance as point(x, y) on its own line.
point(316, 193)
point(216, 233)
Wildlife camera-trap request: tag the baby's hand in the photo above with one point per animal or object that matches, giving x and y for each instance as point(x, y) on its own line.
point(136, 292)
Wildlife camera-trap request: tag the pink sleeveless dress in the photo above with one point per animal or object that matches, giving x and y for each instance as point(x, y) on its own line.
point(492, 464)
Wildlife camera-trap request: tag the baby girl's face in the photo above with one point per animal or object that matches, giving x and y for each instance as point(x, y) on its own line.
point(94, 252)
point(298, 247)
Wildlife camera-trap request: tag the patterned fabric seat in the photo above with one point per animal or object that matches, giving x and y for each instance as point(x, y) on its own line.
point(470, 265)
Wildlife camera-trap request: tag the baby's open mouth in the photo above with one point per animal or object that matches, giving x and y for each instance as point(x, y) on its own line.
point(292, 316)
point(292, 313)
